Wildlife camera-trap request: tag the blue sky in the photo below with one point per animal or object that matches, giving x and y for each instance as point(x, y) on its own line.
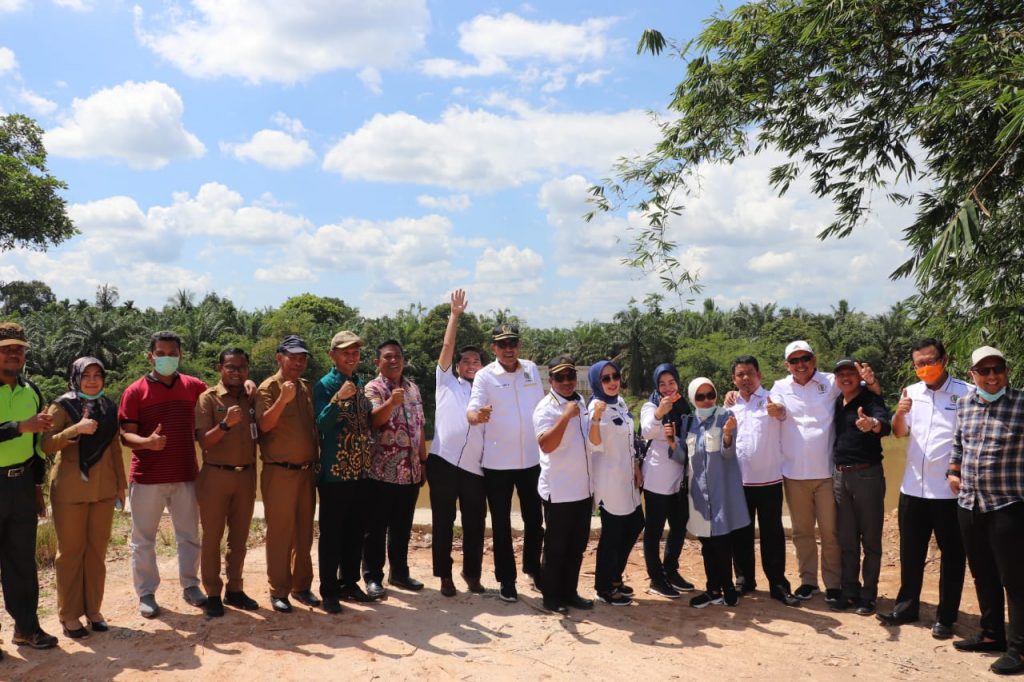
point(387, 152)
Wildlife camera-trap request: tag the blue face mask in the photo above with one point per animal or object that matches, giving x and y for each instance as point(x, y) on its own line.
point(991, 397)
point(165, 365)
point(86, 396)
point(704, 412)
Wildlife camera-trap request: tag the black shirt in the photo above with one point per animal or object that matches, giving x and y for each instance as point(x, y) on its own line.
point(852, 445)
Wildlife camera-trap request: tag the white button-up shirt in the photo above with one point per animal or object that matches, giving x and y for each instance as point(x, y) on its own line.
point(510, 441)
point(662, 475)
point(932, 421)
point(807, 432)
point(614, 485)
point(758, 439)
point(565, 471)
point(455, 441)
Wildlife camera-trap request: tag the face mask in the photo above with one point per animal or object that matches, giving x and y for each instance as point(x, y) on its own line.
point(86, 396)
point(165, 365)
point(991, 397)
point(930, 374)
point(704, 412)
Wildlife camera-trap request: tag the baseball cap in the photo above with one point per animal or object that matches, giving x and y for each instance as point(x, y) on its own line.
point(797, 345)
point(345, 339)
point(980, 354)
point(293, 344)
point(12, 334)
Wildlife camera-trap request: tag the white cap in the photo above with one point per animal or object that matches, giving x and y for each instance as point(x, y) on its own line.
point(797, 345)
point(980, 354)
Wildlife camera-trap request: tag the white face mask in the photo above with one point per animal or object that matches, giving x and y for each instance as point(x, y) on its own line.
point(704, 412)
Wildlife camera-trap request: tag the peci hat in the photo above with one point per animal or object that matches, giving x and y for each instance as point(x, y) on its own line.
point(293, 344)
point(561, 363)
point(844, 362)
point(345, 339)
point(980, 354)
point(795, 346)
point(505, 331)
point(12, 334)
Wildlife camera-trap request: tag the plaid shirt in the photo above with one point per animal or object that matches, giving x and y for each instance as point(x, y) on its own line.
point(988, 444)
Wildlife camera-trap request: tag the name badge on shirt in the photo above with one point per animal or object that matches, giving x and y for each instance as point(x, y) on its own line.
point(821, 388)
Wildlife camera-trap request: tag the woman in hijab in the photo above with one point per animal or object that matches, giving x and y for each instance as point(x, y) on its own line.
point(616, 483)
point(664, 483)
point(86, 480)
point(717, 504)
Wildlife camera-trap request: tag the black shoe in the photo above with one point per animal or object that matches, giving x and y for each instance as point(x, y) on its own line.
point(980, 643)
point(942, 631)
point(578, 602)
point(37, 640)
point(678, 582)
point(532, 578)
point(406, 583)
point(781, 593)
point(805, 592)
point(473, 584)
point(744, 587)
point(281, 604)
point(553, 607)
point(508, 593)
point(623, 588)
point(865, 607)
point(615, 598)
point(213, 607)
point(77, 633)
point(661, 587)
point(306, 597)
point(354, 593)
point(240, 600)
point(833, 595)
point(1009, 663)
point(843, 603)
point(897, 618)
point(731, 597)
point(705, 599)
point(99, 626)
point(374, 590)
point(331, 605)
point(448, 587)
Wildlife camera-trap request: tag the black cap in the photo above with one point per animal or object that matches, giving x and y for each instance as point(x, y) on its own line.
point(505, 331)
point(293, 344)
point(844, 362)
point(561, 363)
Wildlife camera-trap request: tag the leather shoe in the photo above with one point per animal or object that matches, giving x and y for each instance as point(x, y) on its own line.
point(374, 590)
point(406, 583)
point(553, 607)
point(77, 633)
point(1009, 663)
point(980, 643)
point(214, 607)
point(448, 587)
point(896, 618)
point(194, 596)
point(355, 593)
point(306, 597)
point(37, 640)
point(240, 600)
point(942, 631)
point(99, 625)
point(473, 584)
point(578, 602)
point(783, 595)
point(332, 605)
point(281, 604)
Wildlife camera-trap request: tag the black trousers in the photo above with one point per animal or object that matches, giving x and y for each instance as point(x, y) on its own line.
point(919, 518)
point(388, 524)
point(765, 505)
point(568, 529)
point(618, 535)
point(717, 554)
point(499, 484)
point(660, 509)
point(340, 547)
point(860, 508)
point(18, 551)
point(450, 485)
point(994, 542)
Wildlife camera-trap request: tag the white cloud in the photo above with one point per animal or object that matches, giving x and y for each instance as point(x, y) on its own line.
point(76, 5)
point(481, 150)
point(284, 273)
point(8, 62)
point(370, 77)
point(273, 149)
point(139, 124)
point(264, 40)
point(500, 274)
point(11, 5)
point(591, 77)
point(456, 203)
point(771, 261)
point(288, 124)
point(38, 104)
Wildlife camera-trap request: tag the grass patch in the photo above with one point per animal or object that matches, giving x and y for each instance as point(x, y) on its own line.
point(46, 544)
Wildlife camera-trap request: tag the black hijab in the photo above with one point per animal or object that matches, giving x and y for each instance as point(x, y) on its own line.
point(90, 446)
point(680, 408)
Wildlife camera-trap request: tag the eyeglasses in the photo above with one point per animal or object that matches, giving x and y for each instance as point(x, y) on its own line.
point(700, 397)
point(507, 343)
point(926, 363)
point(563, 377)
point(609, 378)
point(992, 369)
point(802, 360)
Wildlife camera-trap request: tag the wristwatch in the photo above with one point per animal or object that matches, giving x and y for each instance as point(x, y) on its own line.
point(224, 425)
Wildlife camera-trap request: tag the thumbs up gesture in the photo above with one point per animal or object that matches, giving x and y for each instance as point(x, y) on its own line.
point(904, 404)
point(776, 410)
point(157, 441)
point(864, 422)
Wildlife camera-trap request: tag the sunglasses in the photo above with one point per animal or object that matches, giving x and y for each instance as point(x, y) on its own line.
point(803, 359)
point(507, 343)
point(563, 377)
point(699, 397)
point(609, 378)
point(985, 371)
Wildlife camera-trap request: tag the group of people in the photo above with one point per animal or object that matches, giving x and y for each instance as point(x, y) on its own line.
point(707, 463)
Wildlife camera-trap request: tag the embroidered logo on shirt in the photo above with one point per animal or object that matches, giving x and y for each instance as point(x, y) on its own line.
point(821, 388)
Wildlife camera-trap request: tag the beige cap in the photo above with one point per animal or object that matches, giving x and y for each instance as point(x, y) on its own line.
point(12, 334)
point(980, 354)
point(345, 339)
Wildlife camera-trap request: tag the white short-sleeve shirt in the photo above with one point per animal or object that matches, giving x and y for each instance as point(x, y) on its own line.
point(662, 474)
point(455, 441)
point(807, 431)
point(614, 485)
point(565, 471)
point(758, 440)
point(932, 421)
point(509, 439)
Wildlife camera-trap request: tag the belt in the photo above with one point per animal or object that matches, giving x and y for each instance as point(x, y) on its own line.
point(228, 467)
point(293, 467)
point(857, 467)
point(14, 471)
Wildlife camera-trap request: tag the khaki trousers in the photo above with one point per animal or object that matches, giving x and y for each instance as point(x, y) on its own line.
point(289, 499)
point(225, 498)
point(812, 502)
point(83, 531)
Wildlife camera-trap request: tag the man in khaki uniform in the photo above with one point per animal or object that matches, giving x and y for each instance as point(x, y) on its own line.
point(289, 448)
point(226, 485)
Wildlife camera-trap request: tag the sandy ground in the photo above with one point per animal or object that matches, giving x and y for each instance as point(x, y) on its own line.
point(477, 637)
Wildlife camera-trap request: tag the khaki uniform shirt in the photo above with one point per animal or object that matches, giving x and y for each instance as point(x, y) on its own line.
point(106, 477)
point(294, 439)
point(237, 447)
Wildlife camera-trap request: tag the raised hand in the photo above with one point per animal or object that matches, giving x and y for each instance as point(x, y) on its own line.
point(36, 424)
point(347, 390)
point(599, 407)
point(864, 422)
point(459, 302)
point(670, 430)
point(86, 425)
point(572, 409)
point(288, 391)
point(904, 404)
point(665, 406)
point(233, 416)
point(866, 373)
point(776, 410)
point(729, 427)
point(397, 396)
point(157, 441)
point(484, 415)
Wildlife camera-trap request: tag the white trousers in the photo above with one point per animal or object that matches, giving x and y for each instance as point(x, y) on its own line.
point(147, 505)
